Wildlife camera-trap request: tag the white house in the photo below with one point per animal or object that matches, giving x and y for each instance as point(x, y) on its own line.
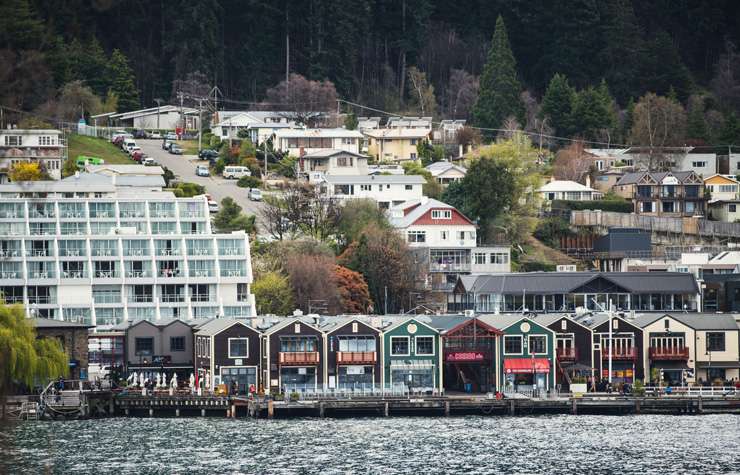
point(446, 239)
point(302, 141)
point(670, 158)
point(43, 146)
point(387, 190)
point(326, 162)
point(446, 172)
point(721, 187)
point(568, 190)
point(260, 125)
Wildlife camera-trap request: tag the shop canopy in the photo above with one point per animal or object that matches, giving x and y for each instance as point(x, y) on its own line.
point(526, 365)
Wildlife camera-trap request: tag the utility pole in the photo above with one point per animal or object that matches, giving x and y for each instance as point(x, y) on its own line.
point(287, 54)
point(611, 342)
point(200, 123)
point(182, 112)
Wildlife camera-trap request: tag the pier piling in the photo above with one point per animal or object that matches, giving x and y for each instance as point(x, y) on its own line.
point(270, 409)
point(574, 408)
point(447, 408)
point(385, 409)
point(512, 408)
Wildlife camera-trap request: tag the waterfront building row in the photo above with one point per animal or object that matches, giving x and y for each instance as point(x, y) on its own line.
point(466, 353)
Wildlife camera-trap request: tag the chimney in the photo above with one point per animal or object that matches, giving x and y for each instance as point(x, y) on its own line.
point(460, 150)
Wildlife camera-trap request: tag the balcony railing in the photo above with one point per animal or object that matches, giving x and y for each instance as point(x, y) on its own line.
point(106, 274)
point(11, 275)
point(9, 252)
point(74, 274)
point(42, 275)
point(104, 252)
point(567, 354)
point(168, 252)
point(42, 300)
point(71, 252)
point(619, 353)
point(449, 267)
point(299, 357)
point(140, 299)
point(201, 298)
point(39, 253)
point(168, 273)
point(232, 273)
point(202, 273)
point(674, 353)
point(138, 274)
point(359, 357)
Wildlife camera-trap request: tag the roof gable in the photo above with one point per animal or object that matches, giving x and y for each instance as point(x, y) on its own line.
point(414, 320)
point(599, 284)
point(288, 322)
point(350, 321)
point(473, 321)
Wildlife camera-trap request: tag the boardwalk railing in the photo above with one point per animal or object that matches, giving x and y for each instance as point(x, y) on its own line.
point(694, 226)
point(394, 391)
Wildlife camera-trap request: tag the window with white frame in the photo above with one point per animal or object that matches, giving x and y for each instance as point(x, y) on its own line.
point(424, 346)
point(441, 214)
point(479, 258)
point(399, 346)
point(238, 347)
point(344, 161)
point(366, 187)
point(537, 344)
point(13, 140)
point(46, 140)
point(700, 164)
point(461, 235)
point(417, 236)
point(499, 258)
point(512, 344)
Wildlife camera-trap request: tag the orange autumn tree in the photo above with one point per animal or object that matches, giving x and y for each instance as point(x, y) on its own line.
point(354, 296)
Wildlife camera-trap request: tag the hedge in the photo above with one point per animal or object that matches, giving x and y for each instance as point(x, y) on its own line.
point(619, 206)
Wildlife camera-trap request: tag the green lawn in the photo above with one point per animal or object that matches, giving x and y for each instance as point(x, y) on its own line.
point(94, 147)
point(189, 147)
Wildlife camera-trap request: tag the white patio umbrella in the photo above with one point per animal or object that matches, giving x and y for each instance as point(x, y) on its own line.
point(135, 380)
point(208, 380)
point(173, 382)
point(192, 381)
point(142, 379)
point(159, 380)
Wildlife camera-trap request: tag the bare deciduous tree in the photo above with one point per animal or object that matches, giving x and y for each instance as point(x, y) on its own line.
point(572, 163)
point(657, 122)
point(422, 93)
point(462, 93)
point(301, 209)
point(302, 100)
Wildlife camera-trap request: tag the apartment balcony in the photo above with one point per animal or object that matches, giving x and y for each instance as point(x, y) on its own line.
point(202, 298)
point(11, 215)
point(104, 252)
point(169, 273)
point(174, 298)
point(138, 274)
point(41, 275)
point(106, 274)
point(566, 354)
point(75, 274)
point(647, 196)
point(624, 354)
point(10, 253)
point(169, 252)
point(39, 253)
point(11, 275)
point(42, 300)
point(680, 353)
point(231, 251)
point(72, 252)
point(449, 267)
point(72, 215)
point(356, 357)
point(136, 253)
point(299, 357)
point(140, 299)
point(200, 252)
point(233, 273)
point(202, 273)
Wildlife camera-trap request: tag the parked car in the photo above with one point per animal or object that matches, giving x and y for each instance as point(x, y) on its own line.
point(212, 206)
point(140, 134)
point(170, 136)
point(175, 149)
point(166, 145)
point(155, 135)
point(235, 172)
point(255, 194)
point(149, 161)
point(137, 156)
point(207, 154)
point(133, 149)
point(201, 170)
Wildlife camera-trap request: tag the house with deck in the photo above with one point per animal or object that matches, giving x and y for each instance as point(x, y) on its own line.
point(353, 354)
point(164, 345)
point(620, 349)
point(573, 348)
point(293, 356)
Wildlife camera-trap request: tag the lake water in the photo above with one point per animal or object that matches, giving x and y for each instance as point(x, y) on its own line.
point(474, 444)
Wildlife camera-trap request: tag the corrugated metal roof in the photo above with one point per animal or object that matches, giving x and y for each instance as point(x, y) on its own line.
point(51, 323)
point(216, 326)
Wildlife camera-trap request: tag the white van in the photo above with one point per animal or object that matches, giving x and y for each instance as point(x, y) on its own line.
point(128, 144)
point(236, 172)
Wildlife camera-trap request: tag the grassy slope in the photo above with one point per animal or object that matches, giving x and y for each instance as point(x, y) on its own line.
point(94, 147)
point(189, 147)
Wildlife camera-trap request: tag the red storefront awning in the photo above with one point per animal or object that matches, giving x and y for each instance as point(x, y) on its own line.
point(526, 365)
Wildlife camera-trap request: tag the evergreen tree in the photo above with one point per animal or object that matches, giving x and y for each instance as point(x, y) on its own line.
point(663, 68)
point(593, 115)
point(499, 95)
point(730, 134)
point(557, 105)
point(624, 48)
point(20, 27)
point(93, 68)
point(122, 82)
point(696, 123)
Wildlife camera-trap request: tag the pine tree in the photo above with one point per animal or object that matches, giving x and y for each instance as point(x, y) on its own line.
point(730, 134)
point(664, 70)
point(624, 48)
point(122, 82)
point(557, 104)
point(593, 116)
point(20, 27)
point(696, 123)
point(92, 68)
point(500, 90)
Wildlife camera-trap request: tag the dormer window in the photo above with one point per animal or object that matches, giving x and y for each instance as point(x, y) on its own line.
point(441, 214)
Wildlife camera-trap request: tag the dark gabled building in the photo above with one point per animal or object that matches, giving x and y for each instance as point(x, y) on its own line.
point(293, 356)
point(353, 358)
point(568, 291)
point(721, 293)
point(625, 348)
point(228, 350)
point(573, 348)
point(611, 250)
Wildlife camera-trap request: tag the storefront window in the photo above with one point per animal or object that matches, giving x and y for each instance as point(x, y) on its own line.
point(298, 378)
point(355, 377)
point(357, 343)
point(244, 377)
point(413, 377)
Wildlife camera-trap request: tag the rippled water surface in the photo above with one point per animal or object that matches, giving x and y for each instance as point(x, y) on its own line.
point(546, 444)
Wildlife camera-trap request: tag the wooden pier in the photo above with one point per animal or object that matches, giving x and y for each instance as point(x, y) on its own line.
point(223, 406)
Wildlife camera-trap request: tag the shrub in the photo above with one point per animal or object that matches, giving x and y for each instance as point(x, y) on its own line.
point(249, 182)
point(188, 190)
point(549, 230)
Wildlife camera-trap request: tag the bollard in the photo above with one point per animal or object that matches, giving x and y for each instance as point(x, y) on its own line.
point(202, 413)
point(574, 409)
point(127, 413)
point(447, 408)
point(700, 407)
point(177, 412)
point(321, 410)
point(637, 406)
point(385, 410)
point(512, 408)
point(233, 411)
point(151, 412)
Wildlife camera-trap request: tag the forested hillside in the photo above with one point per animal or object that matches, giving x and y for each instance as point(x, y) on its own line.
point(370, 49)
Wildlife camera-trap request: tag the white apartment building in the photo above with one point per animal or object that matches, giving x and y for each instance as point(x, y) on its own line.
point(387, 190)
point(260, 125)
point(43, 146)
point(447, 240)
point(297, 142)
point(89, 251)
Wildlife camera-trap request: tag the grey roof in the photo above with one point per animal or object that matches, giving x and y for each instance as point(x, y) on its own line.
point(330, 152)
point(217, 325)
point(565, 282)
point(371, 179)
point(634, 177)
point(50, 323)
point(697, 321)
point(505, 320)
point(145, 181)
point(443, 323)
point(624, 240)
point(547, 319)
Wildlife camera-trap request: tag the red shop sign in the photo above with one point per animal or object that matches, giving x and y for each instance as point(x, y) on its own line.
point(465, 356)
